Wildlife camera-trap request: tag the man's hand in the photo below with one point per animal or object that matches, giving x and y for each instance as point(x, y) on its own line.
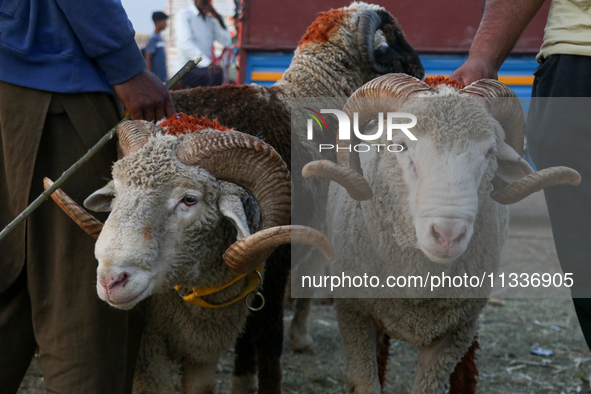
point(210, 10)
point(502, 23)
point(473, 70)
point(145, 97)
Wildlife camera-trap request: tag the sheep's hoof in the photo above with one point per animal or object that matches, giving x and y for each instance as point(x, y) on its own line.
point(303, 343)
point(305, 350)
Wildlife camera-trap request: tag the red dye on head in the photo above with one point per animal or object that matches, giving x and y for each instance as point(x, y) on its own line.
point(440, 79)
point(323, 27)
point(179, 124)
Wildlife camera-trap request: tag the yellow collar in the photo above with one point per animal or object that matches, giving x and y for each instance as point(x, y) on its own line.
point(255, 281)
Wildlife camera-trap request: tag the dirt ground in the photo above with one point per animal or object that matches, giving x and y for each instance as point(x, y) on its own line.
point(507, 335)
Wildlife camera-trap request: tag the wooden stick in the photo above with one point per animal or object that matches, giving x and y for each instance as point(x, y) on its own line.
point(84, 159)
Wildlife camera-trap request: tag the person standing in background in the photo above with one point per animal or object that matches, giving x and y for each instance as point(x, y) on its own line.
point(155, 53)
point(196, 28)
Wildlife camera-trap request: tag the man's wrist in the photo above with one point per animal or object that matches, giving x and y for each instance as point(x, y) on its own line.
point(486, 55)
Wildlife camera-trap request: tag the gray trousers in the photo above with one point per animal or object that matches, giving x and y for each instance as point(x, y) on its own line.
point(47, 267)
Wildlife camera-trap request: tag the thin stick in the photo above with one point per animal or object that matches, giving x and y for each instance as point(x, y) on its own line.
point(103, 141)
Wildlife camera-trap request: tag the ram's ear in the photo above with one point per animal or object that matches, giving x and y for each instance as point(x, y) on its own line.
point(232, 208)
point(511, 168)
point(100, 201)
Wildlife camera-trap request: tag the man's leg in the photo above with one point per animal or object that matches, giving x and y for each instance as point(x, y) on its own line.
point(22, 114)
point(16, 330)
point(85, 345)
point(559, 134)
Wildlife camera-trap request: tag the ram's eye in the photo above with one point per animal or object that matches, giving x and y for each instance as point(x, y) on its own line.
point(491, 151)
point(401, 146)
point(190, 200)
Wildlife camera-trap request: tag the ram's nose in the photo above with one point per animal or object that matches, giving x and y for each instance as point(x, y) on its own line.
point(448, 235)
point(443, 239)
point(112, 283)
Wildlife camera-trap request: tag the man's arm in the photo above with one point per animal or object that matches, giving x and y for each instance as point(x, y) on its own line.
point(184, 40)
point(216, 15)
point(112, 46)
point(149, 57)
point(502, 23)
point(150, 51)
point(222, 34)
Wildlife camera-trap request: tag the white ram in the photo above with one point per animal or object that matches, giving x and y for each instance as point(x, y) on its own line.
point(436, 205)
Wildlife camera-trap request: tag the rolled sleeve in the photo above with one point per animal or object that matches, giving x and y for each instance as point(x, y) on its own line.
point(122, 65)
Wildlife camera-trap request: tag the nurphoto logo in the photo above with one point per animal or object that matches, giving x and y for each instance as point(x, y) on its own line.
point(344, 131)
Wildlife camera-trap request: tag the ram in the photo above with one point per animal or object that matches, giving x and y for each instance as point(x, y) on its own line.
point(180, 217)
point(341, 50)
point(437, 204)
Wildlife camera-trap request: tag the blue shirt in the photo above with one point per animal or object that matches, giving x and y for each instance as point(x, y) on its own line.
point(155, 47)
point(67, 46)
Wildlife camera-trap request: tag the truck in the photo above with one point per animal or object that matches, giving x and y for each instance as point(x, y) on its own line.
point(440, 31)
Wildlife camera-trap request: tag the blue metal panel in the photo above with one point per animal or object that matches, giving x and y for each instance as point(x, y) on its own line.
point(266, 61)
point(435, 64)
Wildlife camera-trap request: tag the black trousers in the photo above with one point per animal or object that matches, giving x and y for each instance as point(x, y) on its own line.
point(559, 133)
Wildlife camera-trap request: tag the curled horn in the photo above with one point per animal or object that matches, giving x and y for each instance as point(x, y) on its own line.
point(523, 187)
point(369, 23)
point(133, 135)
point(504, 106)
point(270, 238)
point(348, 172)
point(78, 214)
point(352, 181)
point(367, 102)
point(253, 164)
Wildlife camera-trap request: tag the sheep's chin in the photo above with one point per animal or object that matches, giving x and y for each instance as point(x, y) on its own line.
point(439, 259)
point(127, 300)
point(129, 303)
point(443, 253)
